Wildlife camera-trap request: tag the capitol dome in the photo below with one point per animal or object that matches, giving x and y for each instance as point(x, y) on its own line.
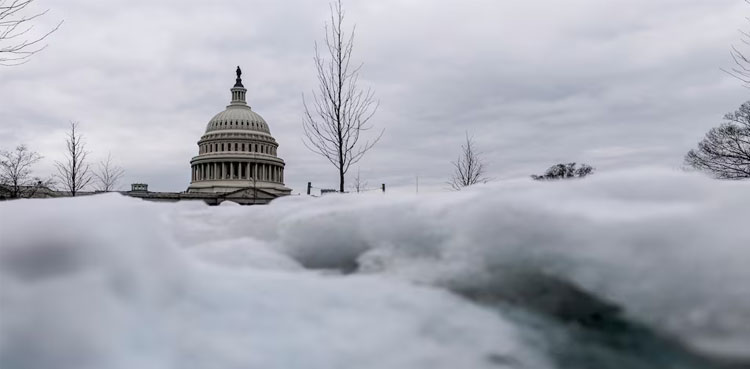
point(237, 154)
point(238, 117)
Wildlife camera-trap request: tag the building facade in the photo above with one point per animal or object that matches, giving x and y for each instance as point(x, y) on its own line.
point(237, 155)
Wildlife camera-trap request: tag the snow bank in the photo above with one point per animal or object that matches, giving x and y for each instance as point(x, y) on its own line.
point(368, 281)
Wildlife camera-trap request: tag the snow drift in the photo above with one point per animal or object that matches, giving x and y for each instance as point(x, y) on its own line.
point(645, 268)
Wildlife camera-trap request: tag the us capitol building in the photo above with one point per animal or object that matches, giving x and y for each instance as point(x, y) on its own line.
point(236, 160)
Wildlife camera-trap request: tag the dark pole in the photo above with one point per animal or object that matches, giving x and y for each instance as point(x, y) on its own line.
point(309, 186)
point(383, 187)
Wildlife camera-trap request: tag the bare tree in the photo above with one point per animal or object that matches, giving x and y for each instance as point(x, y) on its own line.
point(74, 173)
point(564, 171)
point(340, 110)
point(15, 172)
point(469, 168)
point(358, 184)
point(108, 174)
point(725, 150)
point(15, 45)
point(741, 69)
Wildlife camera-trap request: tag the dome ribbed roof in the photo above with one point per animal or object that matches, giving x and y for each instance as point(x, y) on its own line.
point(238, 117)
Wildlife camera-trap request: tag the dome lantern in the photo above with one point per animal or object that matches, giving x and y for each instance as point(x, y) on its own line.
point(238, 91)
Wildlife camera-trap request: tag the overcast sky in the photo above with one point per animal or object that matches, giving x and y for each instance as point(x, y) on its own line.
point(612, 83)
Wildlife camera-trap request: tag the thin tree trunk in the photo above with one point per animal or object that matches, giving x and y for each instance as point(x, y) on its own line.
point(340, 110)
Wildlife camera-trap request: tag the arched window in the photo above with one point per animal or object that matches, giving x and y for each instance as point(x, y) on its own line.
point(243, 147)
point(222, 147)
point(235, 147)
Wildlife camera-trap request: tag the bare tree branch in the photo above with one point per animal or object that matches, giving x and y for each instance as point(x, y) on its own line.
point(74, 173)
point(339, 111)
point(15, 45)
point(469, 168)
point(725, 150)
point(108, 174)
point(741, 69)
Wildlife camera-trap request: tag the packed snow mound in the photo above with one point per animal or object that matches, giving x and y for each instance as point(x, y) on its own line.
point(513, 274)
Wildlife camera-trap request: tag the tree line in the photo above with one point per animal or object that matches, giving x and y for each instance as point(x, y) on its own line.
point(73, 174)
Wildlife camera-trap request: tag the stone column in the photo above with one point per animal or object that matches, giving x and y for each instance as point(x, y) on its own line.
point(231, 170)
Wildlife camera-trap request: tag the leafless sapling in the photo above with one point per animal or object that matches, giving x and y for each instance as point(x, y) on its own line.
point(17, 44)
point(469, 168)
point(340, 110)
point(725, 150)
point(358, 184)
point(74, 173)
point(108, 174)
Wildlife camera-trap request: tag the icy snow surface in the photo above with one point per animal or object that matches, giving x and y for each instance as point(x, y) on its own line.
point(635, 269)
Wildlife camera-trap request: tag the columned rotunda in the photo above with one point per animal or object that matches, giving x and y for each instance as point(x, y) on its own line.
point(237, 154)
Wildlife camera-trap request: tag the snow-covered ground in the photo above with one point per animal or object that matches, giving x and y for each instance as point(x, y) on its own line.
point(635, 269)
